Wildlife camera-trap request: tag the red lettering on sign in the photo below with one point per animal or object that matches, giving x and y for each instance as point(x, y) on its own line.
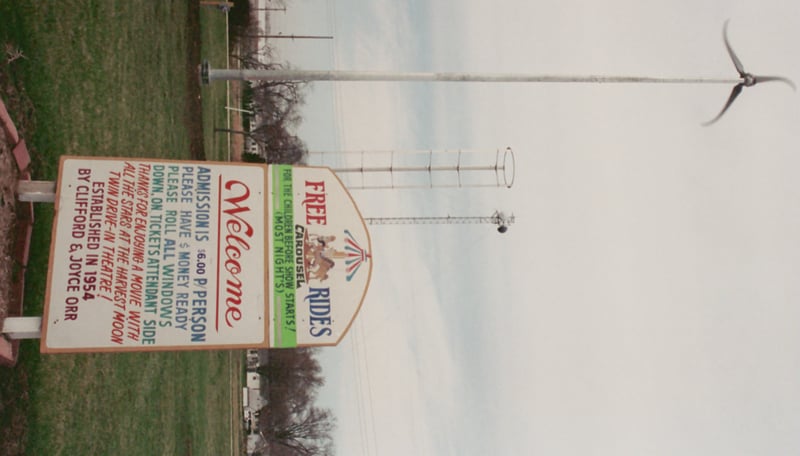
point(230, 247)
point(314, 203)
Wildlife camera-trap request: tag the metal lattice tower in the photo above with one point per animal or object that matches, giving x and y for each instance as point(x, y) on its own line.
point(420, 168)
point(499, 219)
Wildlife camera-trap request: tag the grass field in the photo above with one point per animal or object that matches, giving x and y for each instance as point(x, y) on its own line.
point(116, 78)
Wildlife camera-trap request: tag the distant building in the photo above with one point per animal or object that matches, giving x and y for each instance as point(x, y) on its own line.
point(255, 442)
point(250, 144)
point(253, 399)
point(252, 359)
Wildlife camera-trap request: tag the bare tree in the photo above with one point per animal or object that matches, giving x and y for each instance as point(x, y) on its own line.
point(256, 57)
point(290, 423)
point(290, 365)
point(275, 105)
point(308, 433)
point(276, 144)
point(294, 375)
point(275, 110)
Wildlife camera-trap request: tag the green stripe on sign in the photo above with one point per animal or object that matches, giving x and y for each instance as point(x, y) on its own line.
point(283, 252)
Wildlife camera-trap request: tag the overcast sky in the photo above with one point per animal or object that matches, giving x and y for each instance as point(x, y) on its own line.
point(645, 302)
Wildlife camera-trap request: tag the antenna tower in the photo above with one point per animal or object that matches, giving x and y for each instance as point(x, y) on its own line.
point(499, 219)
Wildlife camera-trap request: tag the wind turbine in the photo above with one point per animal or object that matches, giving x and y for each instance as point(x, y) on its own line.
point(748, 79)
point(208, 74)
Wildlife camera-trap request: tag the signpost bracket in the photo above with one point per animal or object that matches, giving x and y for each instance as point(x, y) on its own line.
point(36, 191)
point(22, 327)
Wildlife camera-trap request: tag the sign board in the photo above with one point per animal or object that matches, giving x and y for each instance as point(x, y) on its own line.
point(156, 255)
point(320, 257)
point(180, 255)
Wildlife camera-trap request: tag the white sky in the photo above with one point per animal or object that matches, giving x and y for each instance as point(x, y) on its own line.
point(645, 302)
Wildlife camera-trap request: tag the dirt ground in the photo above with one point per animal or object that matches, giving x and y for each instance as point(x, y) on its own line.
point(194, 104)
point(17, 107)
point(236, 141)
point(8, 180)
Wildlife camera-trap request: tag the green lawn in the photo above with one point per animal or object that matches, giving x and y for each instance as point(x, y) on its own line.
point(115, 78)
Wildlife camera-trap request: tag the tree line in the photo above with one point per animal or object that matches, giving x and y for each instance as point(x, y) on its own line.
point(290, 422)
point(274, 106)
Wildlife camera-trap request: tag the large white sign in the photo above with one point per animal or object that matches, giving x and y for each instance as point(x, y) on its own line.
point(157, 255)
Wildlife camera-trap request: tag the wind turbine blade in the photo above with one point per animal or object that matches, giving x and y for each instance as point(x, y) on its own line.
point(776, 78)
point(737, 89)
point(736, 62)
